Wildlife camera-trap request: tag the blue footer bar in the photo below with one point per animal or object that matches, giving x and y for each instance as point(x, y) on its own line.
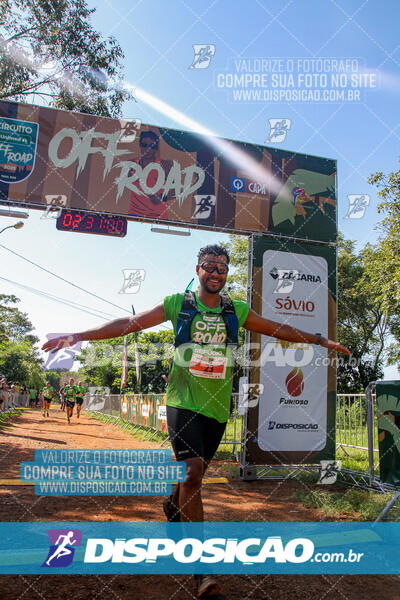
point(220, 548)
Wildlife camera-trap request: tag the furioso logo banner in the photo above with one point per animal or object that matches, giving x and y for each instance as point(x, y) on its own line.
point(293, 420)
point(153, 174)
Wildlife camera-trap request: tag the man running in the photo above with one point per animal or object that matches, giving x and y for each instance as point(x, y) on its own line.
point(199, 386)
point(70, 392)
point(48, 394)
point(79, 398)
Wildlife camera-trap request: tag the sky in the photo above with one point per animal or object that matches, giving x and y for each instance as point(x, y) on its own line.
point(157, 38)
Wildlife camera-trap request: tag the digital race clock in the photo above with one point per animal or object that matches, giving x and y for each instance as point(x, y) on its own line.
point(76, 220)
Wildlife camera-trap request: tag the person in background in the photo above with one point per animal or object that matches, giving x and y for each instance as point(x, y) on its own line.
point(32, 396)
point(79, 398)
point(48, 394)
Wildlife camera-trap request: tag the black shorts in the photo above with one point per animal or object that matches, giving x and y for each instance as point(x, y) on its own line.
point(48, 400)
point(79, 401)
point(70, 402)
point(193, 435)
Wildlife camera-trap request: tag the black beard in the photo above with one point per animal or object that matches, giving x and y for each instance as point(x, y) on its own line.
point(217, 291)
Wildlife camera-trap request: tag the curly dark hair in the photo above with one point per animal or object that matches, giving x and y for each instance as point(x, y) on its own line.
point(213, 249)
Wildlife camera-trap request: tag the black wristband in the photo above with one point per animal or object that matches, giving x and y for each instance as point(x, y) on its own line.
point(319, 336)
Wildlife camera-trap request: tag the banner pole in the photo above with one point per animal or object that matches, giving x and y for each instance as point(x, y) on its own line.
point(138, 374)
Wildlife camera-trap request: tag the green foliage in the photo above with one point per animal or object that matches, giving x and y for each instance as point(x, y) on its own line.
point(102, 362)
point(14, 324)
point(238, 248)
point(53, 377)
point(19, 359)
point(363, 323)
point(19, 362)
point(383, 268)
point(49, 48)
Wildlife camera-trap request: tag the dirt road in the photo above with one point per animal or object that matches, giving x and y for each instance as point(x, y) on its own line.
point(235, 501)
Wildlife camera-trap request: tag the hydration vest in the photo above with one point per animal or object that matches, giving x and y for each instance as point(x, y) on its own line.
point(189, 311)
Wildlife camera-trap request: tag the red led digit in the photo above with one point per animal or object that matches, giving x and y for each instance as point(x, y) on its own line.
point(110, 225)
point(89, 225)
point(119, 226)
point(67, 217)
point(76, 221)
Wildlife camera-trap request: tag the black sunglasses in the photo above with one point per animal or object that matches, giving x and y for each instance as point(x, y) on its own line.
point(152, 145)
point(210, 267)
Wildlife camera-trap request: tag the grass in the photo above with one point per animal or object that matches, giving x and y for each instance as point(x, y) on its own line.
point(12, 412)
point(352, 504)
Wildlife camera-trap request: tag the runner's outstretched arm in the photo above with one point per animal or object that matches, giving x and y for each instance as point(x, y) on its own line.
point(112, 329)
point(285, 332)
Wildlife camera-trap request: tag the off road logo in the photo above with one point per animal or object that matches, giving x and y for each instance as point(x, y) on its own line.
point(285, 279)
point(213, 332)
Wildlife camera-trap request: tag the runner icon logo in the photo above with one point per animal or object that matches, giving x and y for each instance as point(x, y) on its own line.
point(62, 547)
point(203, 54)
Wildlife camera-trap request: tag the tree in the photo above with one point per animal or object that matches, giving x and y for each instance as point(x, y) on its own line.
point(53, 377)
point(102, 362)
point(238, 248)
point(19, 359)
point(386, 268)
point(383, 268)
point(363, 322)
point(49, 48)
point(15, 325)
point(19, 362)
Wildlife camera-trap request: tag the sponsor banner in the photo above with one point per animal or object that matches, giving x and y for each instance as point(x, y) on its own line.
point(388, 413)
point(291, 419)
point(297, 291)
point(154, 174)
point(172, 548)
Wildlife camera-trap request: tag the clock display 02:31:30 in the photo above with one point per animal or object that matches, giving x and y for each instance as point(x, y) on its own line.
point(72, 220)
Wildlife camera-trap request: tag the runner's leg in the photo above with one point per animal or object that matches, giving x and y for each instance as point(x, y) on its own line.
point(190, 491)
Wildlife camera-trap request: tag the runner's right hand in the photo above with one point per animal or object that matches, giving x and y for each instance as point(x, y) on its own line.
point(62, 341)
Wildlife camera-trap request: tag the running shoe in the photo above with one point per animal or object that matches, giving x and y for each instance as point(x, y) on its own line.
point(171, 511)
point(207, 587)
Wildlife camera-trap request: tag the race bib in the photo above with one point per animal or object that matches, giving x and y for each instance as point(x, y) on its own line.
point(206, 365)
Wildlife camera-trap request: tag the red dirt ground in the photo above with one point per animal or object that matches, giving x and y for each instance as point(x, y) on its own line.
point(235, 501)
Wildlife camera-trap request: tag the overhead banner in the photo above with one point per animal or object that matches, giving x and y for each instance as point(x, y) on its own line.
point(293, 419)
point(388, 414)
point(154, 174)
